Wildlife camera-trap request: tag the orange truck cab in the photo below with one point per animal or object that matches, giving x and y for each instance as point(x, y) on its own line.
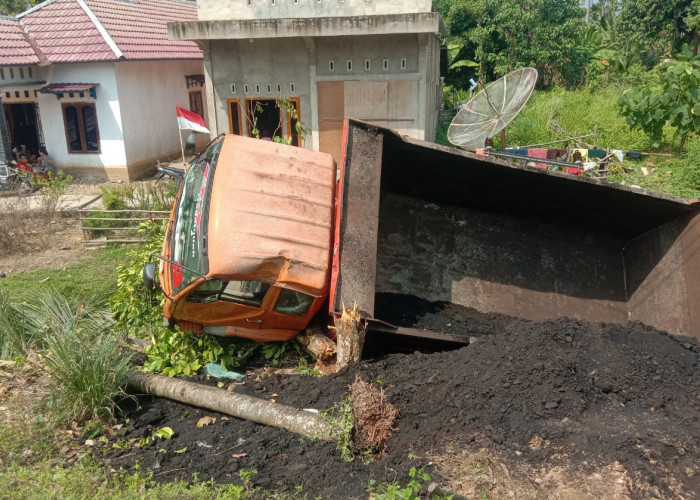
point(248, 244)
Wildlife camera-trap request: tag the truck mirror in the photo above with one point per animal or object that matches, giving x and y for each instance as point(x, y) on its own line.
point(149, 275)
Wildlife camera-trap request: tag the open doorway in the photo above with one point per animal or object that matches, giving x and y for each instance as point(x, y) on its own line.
point(23, 126)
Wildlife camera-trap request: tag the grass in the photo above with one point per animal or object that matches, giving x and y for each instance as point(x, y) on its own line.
point(94, 276)
point(582, 112)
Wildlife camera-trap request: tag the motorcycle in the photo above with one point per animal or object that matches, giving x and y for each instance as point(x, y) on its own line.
point(14, 180)
point(167, 171)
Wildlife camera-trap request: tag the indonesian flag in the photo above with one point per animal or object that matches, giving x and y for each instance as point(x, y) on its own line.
point(187, 120)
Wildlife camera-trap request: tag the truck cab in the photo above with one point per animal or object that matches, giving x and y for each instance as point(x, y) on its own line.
point(248, 243)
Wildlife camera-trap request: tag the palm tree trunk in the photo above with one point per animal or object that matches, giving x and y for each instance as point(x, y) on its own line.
point(237, 405)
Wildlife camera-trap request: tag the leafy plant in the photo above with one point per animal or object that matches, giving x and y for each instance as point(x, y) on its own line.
point(676, 101)
point(139, 310)
point(304, 369)
point(394, 491)
point(274, 350)
point(341, 421)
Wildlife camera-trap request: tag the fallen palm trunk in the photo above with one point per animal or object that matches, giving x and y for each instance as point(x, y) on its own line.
point(237, 405)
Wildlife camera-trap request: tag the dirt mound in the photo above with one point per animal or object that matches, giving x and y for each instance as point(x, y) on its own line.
point(597, 400)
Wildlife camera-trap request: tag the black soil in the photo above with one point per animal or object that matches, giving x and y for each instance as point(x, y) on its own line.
point(562, 392)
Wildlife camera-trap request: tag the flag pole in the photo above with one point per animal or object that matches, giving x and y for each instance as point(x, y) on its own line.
point(182, 148)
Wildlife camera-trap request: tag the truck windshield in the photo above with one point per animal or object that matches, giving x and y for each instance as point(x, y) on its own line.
point(191, 217)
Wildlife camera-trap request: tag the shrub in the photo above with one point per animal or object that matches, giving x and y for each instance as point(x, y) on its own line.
point(80, 353)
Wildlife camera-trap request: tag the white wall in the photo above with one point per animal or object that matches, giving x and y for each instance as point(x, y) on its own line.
point(112, 153)
point(213, 10)
point(149, 92)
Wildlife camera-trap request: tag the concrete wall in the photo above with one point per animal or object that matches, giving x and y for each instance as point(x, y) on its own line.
point(209, 10)
point(111, 161)
point(402, 97)
point(663, 277)
point(148, 93)
point(236, 64)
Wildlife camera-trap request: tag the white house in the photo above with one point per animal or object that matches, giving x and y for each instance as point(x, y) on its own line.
point(375, 60)
point(97, 82)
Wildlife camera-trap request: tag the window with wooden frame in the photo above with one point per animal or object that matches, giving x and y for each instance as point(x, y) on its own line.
point(234, 117)
point(80, 122)
point(270, 121)
point(196, 102)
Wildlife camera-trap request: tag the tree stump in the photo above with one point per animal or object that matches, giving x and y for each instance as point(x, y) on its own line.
point(350, 331)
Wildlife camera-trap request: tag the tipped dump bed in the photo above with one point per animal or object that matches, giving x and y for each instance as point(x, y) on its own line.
point(437, 224)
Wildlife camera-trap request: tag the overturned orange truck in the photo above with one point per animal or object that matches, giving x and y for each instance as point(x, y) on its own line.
point(264, 237)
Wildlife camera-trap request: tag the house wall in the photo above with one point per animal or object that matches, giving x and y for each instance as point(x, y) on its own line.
point(242, 63)
point(148, 92)
point(111, 161)
point(211, 10)
point(401, 97)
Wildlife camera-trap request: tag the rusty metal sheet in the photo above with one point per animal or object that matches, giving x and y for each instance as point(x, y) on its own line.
point(270, 214)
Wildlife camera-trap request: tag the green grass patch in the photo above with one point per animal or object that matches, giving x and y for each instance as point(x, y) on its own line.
point(581, 112)
point(94, 276)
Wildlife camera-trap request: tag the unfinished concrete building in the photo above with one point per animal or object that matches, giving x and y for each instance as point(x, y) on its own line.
point(365, 59)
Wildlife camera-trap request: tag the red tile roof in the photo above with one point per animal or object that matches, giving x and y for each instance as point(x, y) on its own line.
point(130, 30)
point(15, 49)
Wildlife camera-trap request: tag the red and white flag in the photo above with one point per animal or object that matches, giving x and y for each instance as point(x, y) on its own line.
point(187, 120)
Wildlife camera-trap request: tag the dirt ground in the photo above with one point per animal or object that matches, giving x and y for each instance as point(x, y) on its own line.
point(558, 409)
point(40, 240)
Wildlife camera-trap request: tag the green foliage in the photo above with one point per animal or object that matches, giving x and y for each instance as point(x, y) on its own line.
point(52, 189)
point(274, 350)
point(14, 7)
point(656, 24)
point(289, 112)
point(394, 491)
point(675, 101)
point(81, 355)
point(577, 112)
point(140, 196)
point(305, 370)
point(342, 425)
point(508, 34)
point(138, 309)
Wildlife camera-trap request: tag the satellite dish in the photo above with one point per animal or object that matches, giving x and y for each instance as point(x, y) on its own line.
point(489, 111)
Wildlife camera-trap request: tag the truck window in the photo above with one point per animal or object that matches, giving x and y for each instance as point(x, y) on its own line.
point(293, 303)
point(191, 219)
point(250, 293)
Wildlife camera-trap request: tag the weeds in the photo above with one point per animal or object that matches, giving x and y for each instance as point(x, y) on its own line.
point(394, 491)
point(340, 419)
point(52, 189)
point(273, 351)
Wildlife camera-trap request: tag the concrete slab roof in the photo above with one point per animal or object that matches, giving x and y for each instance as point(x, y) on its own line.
point(426, 22)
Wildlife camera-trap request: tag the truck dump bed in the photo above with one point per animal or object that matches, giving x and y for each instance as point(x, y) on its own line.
point(421, 223)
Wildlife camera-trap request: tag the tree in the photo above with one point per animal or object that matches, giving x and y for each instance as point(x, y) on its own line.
point(675, 101)
point(14, 7)
point(503, 35)
point(657, 24)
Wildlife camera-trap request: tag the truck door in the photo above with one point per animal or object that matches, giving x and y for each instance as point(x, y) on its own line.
point(230, 303)
point(290, 310)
